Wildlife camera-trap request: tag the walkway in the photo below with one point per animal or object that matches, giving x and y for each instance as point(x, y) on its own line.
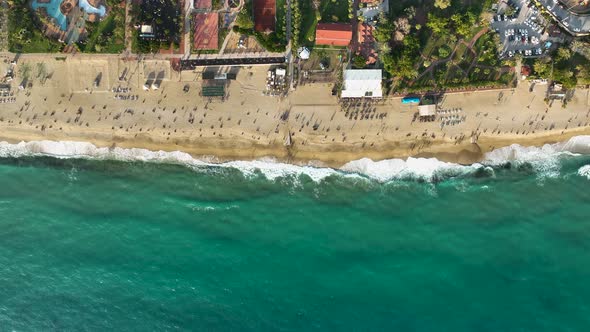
point(469, 46)
point(128, 28)
point(288, 51)
point(3, 25)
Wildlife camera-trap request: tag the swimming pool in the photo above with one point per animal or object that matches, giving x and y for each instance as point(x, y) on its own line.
point(60, 19)
point(53, 10)
point(87, 7)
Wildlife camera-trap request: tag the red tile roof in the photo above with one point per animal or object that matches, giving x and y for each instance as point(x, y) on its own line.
point(366, 43)
point(525, 71)
point(334, 34)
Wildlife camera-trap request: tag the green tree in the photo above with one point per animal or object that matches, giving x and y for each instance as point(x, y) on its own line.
point(443, 51)
point(442, 4)
point(359, 61)
point(563, 54)
point(244, 18)
point(438, 25)
point(542, 68)
point(463, 23)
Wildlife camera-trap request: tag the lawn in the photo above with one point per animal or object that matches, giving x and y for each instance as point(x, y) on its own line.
point(308, 24)
point(433, 44)
point(281, 13)
point(106, 36)
point(332, 11)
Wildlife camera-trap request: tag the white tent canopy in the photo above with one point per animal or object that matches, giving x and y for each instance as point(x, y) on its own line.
point(360, 83)
point(427, 110)
point(303, 53)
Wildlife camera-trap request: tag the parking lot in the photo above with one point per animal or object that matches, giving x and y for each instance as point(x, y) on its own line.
point(521, 29)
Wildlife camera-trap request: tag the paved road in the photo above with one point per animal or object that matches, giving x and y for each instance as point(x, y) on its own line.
point(575, 24)
point(128, 27)
point(188, 8)
point(289, 52)
point(3, 25)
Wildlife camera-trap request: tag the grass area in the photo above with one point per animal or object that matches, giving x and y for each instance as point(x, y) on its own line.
point(332, 11)
point(281, 16)
point(433, 44)
point(397, 7)
point(24, 34)
point(485, 47)
point(217, 4)
point(459, 71)
point(460, 52)
point(106, 36)
point(308, 24)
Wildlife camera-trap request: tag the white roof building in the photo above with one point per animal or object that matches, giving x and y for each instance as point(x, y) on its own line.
point(281, 72)
point(360, 83)
point(427, 110)
point(147, 29)
point(303, 53)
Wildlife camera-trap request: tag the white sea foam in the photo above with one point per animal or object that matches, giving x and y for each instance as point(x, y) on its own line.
point(544, 159)
point(67, 149)
point(413, 168)
point(584, 171)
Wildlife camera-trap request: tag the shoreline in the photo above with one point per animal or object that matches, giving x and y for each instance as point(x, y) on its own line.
point(246, 125)
point(462, 154)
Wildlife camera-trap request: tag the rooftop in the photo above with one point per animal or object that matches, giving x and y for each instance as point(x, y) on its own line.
point(360, 83)
point(333, 34)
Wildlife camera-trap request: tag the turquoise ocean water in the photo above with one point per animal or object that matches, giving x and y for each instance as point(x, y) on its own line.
point(130, 246)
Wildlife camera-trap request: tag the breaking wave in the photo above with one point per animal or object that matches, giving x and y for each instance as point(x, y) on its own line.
point(545, 160)
point(584, 171)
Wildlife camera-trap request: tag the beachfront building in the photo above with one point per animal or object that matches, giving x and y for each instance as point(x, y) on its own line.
point(362, 83)
point(427, 110)
point(146, 31)
point(333, 34)
point(366, 44)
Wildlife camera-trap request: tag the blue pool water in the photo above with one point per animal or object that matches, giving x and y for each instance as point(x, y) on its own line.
point(54, 11)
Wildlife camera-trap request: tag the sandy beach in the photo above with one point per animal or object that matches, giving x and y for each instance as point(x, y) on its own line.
point(248, 125)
